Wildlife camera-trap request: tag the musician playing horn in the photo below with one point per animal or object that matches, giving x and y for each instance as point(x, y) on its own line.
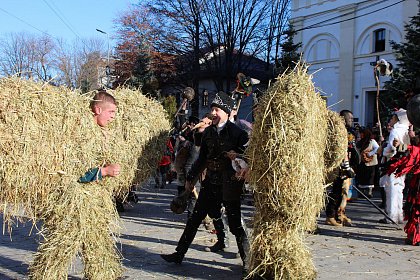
point(221, 143)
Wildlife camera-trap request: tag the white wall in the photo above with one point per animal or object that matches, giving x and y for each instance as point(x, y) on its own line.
point(341, 53)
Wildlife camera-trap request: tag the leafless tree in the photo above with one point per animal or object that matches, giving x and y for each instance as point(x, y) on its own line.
point(43, 60)
point(178, 31)
point(221, 37)
point(278, 24)
point(78, 64)
point(233, 29)
point(25, 55)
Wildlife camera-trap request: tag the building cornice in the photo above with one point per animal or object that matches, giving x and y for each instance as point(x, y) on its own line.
point(374, 54)
point(323, 61)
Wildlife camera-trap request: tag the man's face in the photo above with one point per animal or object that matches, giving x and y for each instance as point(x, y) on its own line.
point(104, 113)
point(219, 116)
point(348, 118)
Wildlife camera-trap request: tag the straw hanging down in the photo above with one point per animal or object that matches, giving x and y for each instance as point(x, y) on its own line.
point(48, 139)
point(287, 169)
point(78, 223)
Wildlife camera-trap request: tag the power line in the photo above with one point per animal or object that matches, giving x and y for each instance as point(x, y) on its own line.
point(64, 17)
point(62, 20)
point(348, 13)
point(21, 20)
point(344, 20)
point(316, 25)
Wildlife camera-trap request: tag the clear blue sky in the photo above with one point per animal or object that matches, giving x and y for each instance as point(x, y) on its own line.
point(76, 18)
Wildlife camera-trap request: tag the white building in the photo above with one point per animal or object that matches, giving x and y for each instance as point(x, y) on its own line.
point(341, 38)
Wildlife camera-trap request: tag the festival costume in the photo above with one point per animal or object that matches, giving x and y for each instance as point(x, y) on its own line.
point(394, 185)
point(337, 198)
point(367, 169)
point(219, 185)
point(164, 165)
point(410, 162)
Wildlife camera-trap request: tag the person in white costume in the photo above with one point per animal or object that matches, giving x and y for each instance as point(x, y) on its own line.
point(394, 186)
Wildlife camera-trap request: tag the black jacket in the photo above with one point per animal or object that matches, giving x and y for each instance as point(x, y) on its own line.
point(213, 148)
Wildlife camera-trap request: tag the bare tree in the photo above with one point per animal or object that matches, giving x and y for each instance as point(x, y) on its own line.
point(66, 65)
point(231, 30)
point(179, 26)
point(43, 60)
point(15, 54)
point(78, 64)
point(277, 25)
point(28, 56)
point(218, 36)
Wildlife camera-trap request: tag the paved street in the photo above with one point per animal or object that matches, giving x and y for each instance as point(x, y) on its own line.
point(368, 250)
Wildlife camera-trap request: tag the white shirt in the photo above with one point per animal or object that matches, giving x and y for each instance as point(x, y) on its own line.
point(220, 126)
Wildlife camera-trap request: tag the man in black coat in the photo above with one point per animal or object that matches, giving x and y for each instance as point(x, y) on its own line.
point(221, 143)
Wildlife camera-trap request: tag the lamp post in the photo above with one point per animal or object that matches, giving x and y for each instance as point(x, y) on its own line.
point(107, 71)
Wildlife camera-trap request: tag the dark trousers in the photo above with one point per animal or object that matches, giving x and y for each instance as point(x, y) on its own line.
point(334, 198)
point(160, 178)
point(233, 212)
point(209, 202)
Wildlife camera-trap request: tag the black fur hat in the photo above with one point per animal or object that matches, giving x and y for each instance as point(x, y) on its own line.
point(223, 101)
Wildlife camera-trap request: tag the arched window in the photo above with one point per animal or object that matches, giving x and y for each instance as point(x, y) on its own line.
point(379, 40)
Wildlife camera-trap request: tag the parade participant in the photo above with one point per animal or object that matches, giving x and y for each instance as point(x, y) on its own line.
point(337, 198)
point(353, 154)
point(222, 142)
point(406, 160)
point(185, 152)
point(367, 167)
point(382, 162)
point(104, 107)
point(394, 186)
point(164, 166)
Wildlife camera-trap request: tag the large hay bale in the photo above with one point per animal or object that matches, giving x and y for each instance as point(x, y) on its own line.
point(287, 169)
point(48, 139)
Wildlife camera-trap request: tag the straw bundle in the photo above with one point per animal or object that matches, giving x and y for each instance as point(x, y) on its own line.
point(48, 139)
point(139, 135)
point(78, 222)
point(287, 169)
point(336, 146)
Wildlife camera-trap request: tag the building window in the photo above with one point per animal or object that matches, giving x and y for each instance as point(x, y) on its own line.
point(379, 40)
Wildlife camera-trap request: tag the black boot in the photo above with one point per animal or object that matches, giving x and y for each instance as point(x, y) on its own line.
point(119, 205)
point(217, 247)
point(222, 241)
point(173, 258)
point(243, 246)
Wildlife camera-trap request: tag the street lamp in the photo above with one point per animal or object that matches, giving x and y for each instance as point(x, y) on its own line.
point(107, 35)
point(107, 72)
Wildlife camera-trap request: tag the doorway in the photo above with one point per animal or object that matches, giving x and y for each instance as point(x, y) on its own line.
point(370, 108)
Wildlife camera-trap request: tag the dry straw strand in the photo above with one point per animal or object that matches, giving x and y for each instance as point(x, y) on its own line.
point(289, 137)
point(48, 139)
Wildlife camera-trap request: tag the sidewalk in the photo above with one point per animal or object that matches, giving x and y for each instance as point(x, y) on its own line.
point(368, 250)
